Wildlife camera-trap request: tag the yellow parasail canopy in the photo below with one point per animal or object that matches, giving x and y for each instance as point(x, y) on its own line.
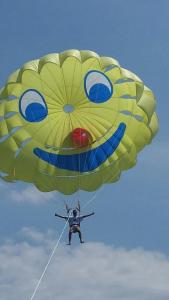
point(74, 92)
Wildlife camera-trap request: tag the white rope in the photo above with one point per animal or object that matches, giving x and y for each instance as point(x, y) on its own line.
point(58, 241)
point(93, 198)
point(50, 258)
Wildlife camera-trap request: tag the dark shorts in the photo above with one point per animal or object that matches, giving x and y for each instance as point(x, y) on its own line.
point(74, 228)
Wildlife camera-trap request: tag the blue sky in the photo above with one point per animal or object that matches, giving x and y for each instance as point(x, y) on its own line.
point(132, 213)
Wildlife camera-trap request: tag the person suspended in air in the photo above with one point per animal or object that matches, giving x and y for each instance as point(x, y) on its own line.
point(74, 221)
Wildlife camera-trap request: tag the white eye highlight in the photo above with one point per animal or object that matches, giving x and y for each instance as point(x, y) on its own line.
point(32, 106)
point(98, 86)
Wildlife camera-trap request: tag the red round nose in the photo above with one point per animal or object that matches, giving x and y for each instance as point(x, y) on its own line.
point(80, 137)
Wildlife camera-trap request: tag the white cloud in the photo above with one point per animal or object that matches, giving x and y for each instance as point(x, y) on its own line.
point(30, 194)
point(22, 192)
point(91, 271)
point(35, 236)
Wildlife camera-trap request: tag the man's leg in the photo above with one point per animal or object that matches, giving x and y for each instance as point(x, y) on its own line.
point(80, 236)
point(70, 236)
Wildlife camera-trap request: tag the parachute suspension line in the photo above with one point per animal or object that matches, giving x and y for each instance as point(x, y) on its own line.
point(73, 198)
point(93, 198)
point(64, 204)
point(79, 178)
point(78, 194)
point(50, 258)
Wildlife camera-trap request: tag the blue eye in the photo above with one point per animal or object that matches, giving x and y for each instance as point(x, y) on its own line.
point(98, 87)
point(32, 106)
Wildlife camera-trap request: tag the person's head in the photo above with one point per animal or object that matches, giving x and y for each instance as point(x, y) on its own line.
point(74, 212)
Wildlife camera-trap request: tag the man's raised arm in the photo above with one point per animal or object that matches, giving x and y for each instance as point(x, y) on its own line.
point(78, 207)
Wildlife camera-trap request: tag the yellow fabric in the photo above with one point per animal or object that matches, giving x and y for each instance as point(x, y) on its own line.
point(59, 78)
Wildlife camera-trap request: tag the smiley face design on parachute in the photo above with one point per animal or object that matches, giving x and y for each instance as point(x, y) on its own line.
point(98, 89)
point(74, 113)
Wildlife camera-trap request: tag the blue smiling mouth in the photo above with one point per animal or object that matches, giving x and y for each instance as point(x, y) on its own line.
point(86, 161)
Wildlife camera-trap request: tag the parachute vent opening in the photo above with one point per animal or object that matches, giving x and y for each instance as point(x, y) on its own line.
point(138, 118)
point(109, 68)
point(123, 80)
point(24, 143)
point(7, 136)
point(127, 96)
point(68, 108)
point(10, 114)
point(129, 113)
point(11, 97)
point(15, 129)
